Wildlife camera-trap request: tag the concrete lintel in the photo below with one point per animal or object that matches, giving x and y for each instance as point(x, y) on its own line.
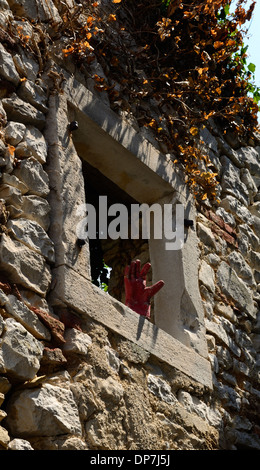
point(80, 294)
point(107, 142)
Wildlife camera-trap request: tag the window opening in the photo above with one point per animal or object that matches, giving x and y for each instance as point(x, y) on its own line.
point(109, 257)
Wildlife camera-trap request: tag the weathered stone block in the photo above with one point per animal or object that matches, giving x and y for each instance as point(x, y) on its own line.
point(33, 94)
point(207, 276)
point(21, 313)
point(14, 132)
point(235, 288)
point(37, 9)
point(20, 352)
point(19, 444)
point(32, 235)
point(7, 67)
point(25, 266)
point(18, 110)
point(46, 411)
point(31, 172)
point(76, 342)
point(231, 204)
point(37, 209)
point(249, 157)
point(36, 143)
point(160, 388)
point(231, 182)
point(12, 180)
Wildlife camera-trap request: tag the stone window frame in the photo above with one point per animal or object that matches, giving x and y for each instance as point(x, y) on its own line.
point(99, 128)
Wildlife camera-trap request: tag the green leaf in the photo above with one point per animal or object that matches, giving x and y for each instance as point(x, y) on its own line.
point(251, 67)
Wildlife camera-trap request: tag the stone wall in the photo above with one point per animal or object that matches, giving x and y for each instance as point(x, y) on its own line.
point(67, 379)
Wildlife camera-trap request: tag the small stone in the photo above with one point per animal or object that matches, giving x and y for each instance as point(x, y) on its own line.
point(20, 312)
point(18, 110)
point(32, 235)
point(33, 94)
point(36, 143)
point(37, 209)
point(26, 65)
point(4, 437)
point(11, 195)
point(14, 132)
point(24, 266)
point(236, 289)
point(249, 156)
point(31, 173)
point(19, 444)
point(76, 342)
point(231, 182)
point(47, 411)
point(12, 180)
point(238, 210)
point(7, 67)
point(160, 388)
point(20, 352)
point(207, 276)
point(206, 235)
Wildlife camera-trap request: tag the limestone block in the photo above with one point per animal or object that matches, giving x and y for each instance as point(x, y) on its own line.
point(12, 180)
point(19, 444)
point(249, 156)
point(255, 209)
point(206, 235)
point(36, 143)
point(235, 288)
point(4, 385)
point(247, 179)
point(34, 94)
point(32, 235)
point(20, 352)
point(4, 437)
point(37, 209)
point(14, 132)
point(238, 210)
point(217, 330)
point(21, 313)
point(247, 232)
point(11, 195)
point(24, 266)
point(31, 173)
point(26, 65)
point(207, 276)
point(110, 389)
point(46, 411)
point(231, 182)
point(76, 342)
point(18, 110)
point(255, 260)
point(195, 405)
point(35, 9)
point(228, 218)
point(241, 267)
point(7, 67)
point(159, 387)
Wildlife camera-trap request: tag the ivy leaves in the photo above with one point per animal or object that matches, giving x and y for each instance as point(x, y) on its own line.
point(173, 66)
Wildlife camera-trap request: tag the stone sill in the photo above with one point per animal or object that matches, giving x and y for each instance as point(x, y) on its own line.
point(80, 294)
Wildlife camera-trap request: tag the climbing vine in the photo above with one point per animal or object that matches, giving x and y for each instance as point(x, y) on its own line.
point(171, 66)
point(174, 66)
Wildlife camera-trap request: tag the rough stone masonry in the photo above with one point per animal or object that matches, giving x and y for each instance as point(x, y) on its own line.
point(71, 377)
